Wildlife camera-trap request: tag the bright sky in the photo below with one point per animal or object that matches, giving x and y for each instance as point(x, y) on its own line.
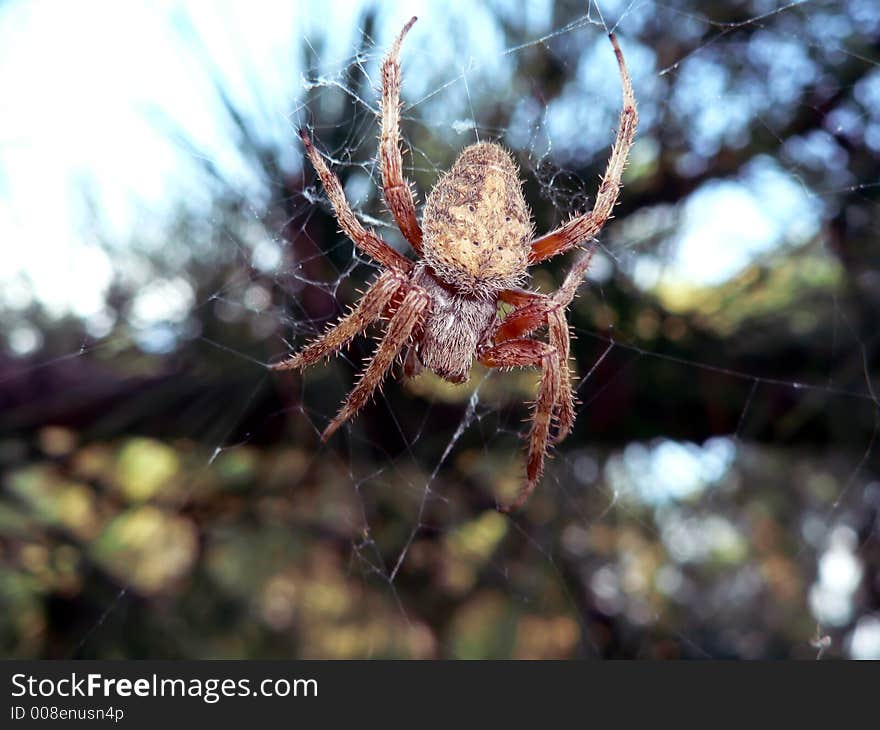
point(84, 84)
point(86, 87)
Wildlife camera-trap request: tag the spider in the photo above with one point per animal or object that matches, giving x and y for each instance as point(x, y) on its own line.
point(474, 247)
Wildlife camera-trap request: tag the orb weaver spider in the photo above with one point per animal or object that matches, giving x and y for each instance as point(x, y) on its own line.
point(474, 247)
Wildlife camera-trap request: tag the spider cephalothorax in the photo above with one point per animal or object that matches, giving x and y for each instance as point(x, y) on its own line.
point(476, 248)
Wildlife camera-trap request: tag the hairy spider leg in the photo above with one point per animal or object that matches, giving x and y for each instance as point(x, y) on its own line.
point(583, 228)
point(370, 308)
point(403, 324)
point(531, 353)
point(365, 240)
point(396, 188)
point(535, 310)
point(529, 304)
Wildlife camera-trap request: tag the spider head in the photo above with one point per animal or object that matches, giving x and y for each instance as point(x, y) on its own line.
point(477, 225)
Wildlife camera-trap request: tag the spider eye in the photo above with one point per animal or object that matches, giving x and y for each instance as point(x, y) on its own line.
point(507, 219)
point(471, 208)
point(476, 243)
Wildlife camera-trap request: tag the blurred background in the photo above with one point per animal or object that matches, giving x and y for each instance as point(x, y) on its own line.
point(163, 495)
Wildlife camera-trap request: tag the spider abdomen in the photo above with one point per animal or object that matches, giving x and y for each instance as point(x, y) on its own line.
point(453, 330)
point(477, 225)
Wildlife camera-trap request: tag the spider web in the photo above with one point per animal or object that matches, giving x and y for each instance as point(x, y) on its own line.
point(648, 536)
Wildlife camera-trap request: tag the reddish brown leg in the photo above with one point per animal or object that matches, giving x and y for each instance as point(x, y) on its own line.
point(519, 297)
point(536, 310)
point(532, 353)
point(560, 338)
point(582, 229)
point(398, 194)
point(530, 314)
point(401, 327)
point(368, 310)
point(365, 240)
